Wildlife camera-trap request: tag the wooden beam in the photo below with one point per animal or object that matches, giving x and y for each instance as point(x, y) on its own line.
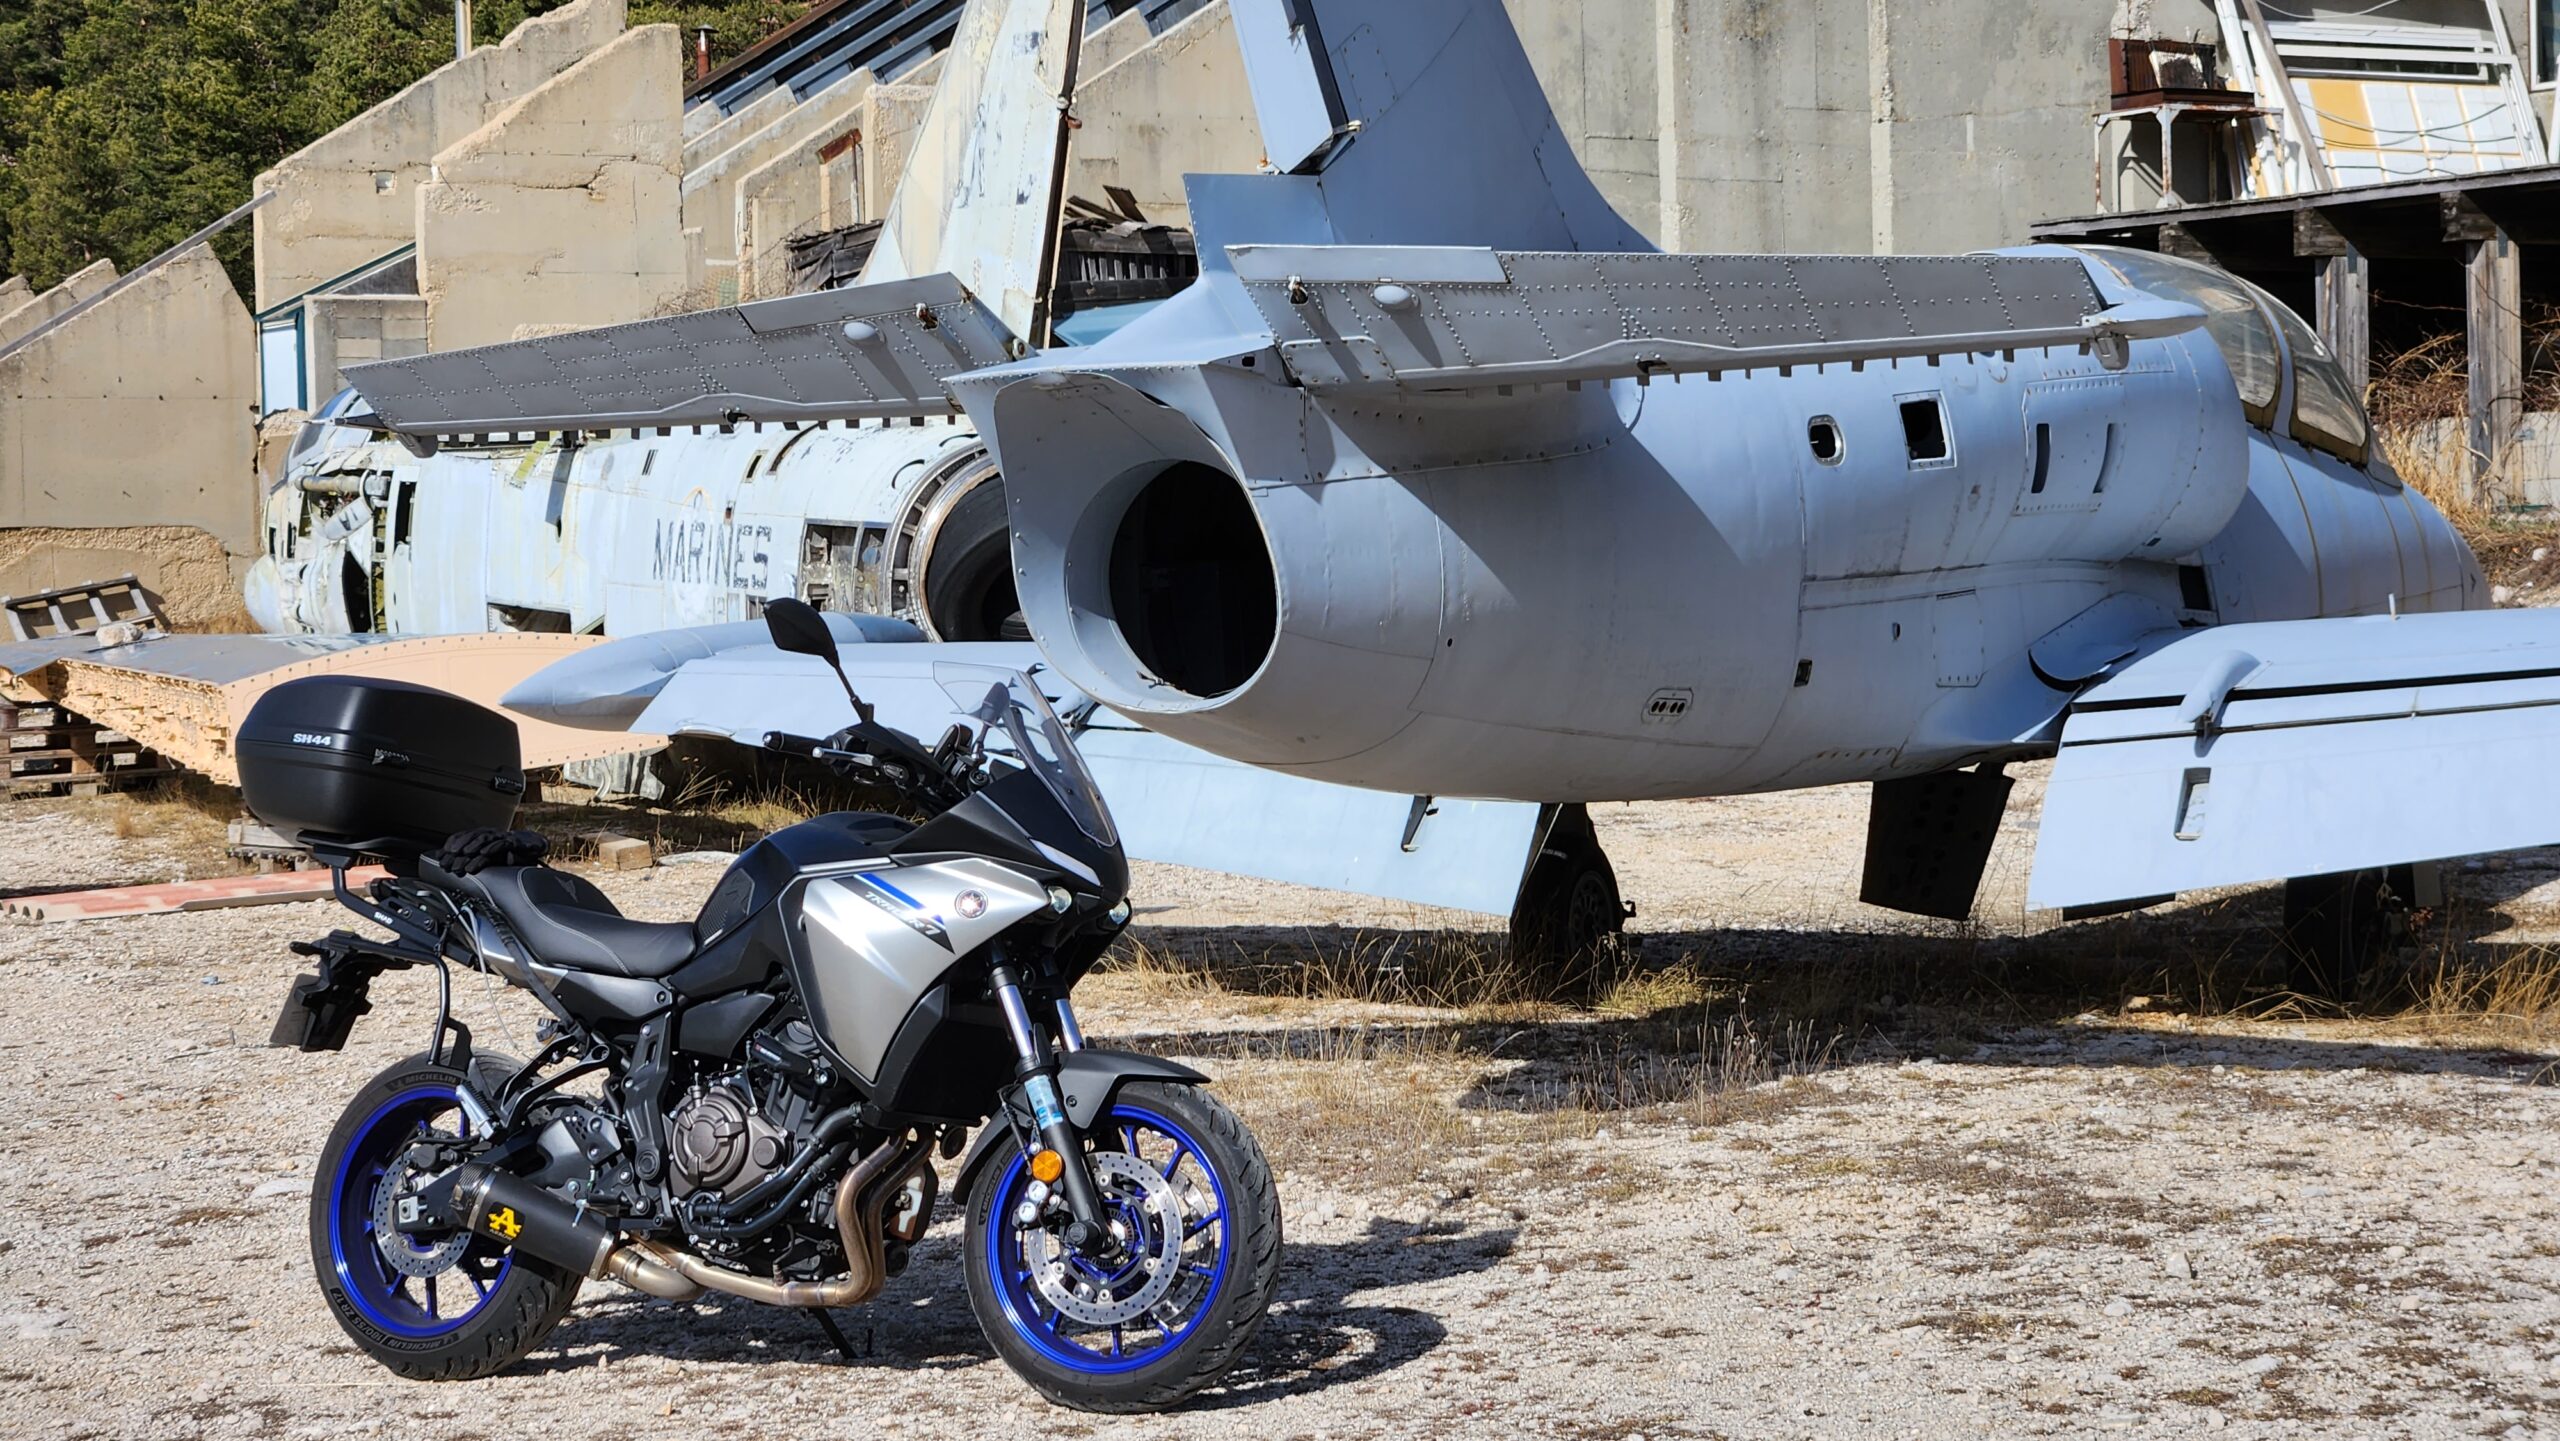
point(2316, 234)
point(2494, 302)
point(2313, 158)
point(2464, 220)
point(2346, 315)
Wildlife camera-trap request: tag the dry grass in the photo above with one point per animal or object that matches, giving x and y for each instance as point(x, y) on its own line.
point(1444, 969)
point(188, 816)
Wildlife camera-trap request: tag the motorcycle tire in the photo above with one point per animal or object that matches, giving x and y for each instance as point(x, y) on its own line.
point(1178, 1336)
point(454, 1310)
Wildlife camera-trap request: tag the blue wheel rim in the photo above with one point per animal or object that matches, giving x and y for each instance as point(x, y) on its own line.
point(417, 1307)
point(1106, 1350)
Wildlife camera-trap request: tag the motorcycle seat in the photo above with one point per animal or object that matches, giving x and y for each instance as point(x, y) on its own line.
point(565, 921)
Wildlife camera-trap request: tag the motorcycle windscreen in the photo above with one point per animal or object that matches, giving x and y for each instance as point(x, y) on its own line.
point(2264, 752)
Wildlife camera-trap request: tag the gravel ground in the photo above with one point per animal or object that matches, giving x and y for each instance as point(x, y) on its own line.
point(2126, 1222)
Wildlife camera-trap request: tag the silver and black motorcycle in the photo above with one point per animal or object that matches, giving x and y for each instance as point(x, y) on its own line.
point(752, 1103)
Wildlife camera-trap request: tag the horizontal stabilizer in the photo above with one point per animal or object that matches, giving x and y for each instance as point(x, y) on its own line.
point(1172, 802)
point(1428, 318)
point(2261, 752)
point(873, 352)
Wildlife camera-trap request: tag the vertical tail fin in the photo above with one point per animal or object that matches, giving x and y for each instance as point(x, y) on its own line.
point(980, 194)
point(1423, 124)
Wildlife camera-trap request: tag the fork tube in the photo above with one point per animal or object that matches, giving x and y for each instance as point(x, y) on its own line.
point(1070, 1035)
point(1038, 1073)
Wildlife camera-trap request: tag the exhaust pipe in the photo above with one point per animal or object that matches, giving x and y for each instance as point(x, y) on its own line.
point(513, 1211)
point(861, 1199)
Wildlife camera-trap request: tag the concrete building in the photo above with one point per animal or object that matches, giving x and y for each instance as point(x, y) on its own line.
point(33, 310)
point(351, 197)
point(561, 211)
point(126, 434)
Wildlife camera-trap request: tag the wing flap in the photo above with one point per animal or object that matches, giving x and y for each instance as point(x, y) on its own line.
point(2261, 752)
point(1441, 317)
point(871, 352)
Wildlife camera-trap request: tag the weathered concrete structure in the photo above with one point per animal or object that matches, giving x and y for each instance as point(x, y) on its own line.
point(350, 197)
point(32, 311)
point(126, 434)
point(829, 121)
point(561, 210)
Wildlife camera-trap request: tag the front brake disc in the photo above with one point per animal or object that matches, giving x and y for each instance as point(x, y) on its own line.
point(1154, 1260)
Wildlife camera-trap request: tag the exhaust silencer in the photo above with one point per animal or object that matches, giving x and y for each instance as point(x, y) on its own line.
point(513, 1211)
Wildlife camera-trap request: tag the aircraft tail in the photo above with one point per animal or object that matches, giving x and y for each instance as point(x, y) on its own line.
point(981, 194)
point(1422, 124)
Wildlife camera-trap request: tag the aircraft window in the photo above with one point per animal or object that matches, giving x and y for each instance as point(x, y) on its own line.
point(1823, 434)
point(2326, 413)
point(1924, 429)
point(2232, 318)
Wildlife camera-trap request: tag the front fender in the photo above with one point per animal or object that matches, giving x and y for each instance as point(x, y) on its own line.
point(1087, 1082)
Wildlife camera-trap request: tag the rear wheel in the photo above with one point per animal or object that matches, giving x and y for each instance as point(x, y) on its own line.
point(446, 1306)
point(1192, 1199)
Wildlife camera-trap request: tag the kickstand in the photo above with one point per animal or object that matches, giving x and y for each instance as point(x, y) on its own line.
point(827, 1323)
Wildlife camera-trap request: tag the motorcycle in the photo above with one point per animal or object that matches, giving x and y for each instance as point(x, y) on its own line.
point(772, 1083)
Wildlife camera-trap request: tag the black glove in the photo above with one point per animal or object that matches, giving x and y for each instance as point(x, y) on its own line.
point(471, 852)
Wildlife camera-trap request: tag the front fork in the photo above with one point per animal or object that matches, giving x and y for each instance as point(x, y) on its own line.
point(1036, 1067)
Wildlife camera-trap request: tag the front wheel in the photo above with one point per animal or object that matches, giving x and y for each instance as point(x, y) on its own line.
point(447, 1306)
point(1192, 1201)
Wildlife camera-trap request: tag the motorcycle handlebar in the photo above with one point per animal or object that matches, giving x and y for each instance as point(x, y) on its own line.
point(795, 745)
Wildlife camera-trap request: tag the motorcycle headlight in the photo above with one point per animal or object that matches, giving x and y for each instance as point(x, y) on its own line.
point(1060, 901)
point(1120, 913)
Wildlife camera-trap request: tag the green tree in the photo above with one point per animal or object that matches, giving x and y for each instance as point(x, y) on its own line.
point(126, 125)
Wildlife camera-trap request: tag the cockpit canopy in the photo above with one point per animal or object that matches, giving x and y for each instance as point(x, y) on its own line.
point(2263, 341)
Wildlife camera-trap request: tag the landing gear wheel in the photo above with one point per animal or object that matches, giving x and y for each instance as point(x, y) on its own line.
point(446, 1307)
point(2337, 926)
point(1569, 918)
point(1192, 1201)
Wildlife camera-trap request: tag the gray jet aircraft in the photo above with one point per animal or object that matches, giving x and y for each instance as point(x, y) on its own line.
point(1442, 482)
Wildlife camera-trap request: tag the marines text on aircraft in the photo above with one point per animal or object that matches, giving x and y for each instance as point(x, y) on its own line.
point(1443, 482)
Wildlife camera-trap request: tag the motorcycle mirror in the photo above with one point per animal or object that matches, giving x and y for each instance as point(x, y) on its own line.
point(798, 629)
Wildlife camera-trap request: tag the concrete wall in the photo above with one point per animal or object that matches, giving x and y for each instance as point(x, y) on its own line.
point(144, 410)
point(194, 576)
point(707, 132)
point(1800, 125)
point(351, 196)
point(711, 186)
point(344, 330)
point(815, 185)
point(1180, 106)
point(14, 292)
point(36, 310)
point(563, 209)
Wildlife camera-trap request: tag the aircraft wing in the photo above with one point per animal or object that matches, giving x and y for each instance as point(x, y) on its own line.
point(1454, 318)
point(1173, 802)
point(870, 352)
point(184, 696)
point(2297, 748)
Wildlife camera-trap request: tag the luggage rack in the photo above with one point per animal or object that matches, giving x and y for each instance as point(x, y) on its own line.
point(52, 752)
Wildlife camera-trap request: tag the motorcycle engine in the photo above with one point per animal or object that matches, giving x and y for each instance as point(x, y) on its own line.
point(722, 1141)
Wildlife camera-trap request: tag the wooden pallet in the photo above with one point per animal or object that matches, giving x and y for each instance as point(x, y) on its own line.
point(48, 751)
